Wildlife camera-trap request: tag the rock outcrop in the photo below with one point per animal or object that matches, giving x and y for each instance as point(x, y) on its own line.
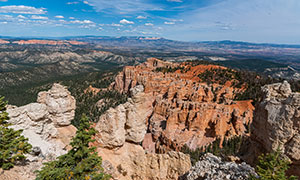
point(121, 131)
point(184, 109)
point(126, 122)
point(131, 162)
point(211, 167)
point(277, 123)
point(47, 125)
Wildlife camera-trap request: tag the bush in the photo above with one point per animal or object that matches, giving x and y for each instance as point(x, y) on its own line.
point(13, 146)
point(81, 162)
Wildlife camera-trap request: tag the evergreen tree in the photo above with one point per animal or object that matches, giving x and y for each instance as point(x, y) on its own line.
point(13, 145)
point(80, 163)
point(272, 167)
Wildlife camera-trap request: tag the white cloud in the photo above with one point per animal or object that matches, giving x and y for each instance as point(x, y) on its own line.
point(141, 17)
point(71, 18)
point(116, 25)
point(21, 17)
point(59, 16)
point(175, 0)
point(82, 22)
point(169, 23)
point(125, 21)
point(39, 17)
point(75, 2)
point(149, 24)
point(85, 2)
point(22, 9)
point(3, 0)
point(122, 6)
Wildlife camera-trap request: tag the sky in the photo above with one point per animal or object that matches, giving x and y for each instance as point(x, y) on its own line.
point(261, 21)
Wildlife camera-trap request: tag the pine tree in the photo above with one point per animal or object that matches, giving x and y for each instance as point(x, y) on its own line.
point(13, 145)
point(272, 167)
point(80, 163)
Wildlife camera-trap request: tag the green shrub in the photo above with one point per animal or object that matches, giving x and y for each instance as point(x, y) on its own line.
point(80, 163)
point(13, 146)
point(272, 167)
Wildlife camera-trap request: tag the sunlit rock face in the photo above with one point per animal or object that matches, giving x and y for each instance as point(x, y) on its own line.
point(277, 122)
point(184, 109)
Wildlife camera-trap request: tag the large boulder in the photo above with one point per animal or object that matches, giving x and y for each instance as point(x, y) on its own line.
point(211, 167)
point(277, 123)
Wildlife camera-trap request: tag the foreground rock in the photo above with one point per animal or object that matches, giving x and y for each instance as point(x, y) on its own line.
point(47, 125)
point(131, 162)
point(277, 123)
point(211, 167)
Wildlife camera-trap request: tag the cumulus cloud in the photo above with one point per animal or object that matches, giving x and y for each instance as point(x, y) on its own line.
point(22, 9)
point(39, 17)
point(116, 25)
point(169, 23)
point(21, 17)
point(75, 2)
point(71, 18)
point(141, 17)
point(123, 6)
point(3, 0)
point(82, 22)
point(59, 16)
point(149, 24)
point(125, 21)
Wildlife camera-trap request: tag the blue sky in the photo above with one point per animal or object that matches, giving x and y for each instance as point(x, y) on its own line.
point(272, 21)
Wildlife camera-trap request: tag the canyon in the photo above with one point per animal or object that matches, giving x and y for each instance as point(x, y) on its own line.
point(169, 106)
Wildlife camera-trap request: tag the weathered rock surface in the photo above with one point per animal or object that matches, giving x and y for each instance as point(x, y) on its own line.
point(130, 162)
point(277, 123)
point(126, 122)
point(121, 131)
point(184, 110)
point(47, 125)
point(211, 167)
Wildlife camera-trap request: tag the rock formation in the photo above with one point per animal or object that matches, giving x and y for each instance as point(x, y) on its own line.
point(131, 162)
point(121, 131)
point(212, 167)
point(47, 125)
point(277, 123)
point(184, 109)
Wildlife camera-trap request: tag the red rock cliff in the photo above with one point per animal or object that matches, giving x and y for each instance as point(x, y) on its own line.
point(184, 109)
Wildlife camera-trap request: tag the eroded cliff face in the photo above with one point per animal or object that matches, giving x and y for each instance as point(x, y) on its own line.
point(47, 125)
point(183, 109)
point(277, 123)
